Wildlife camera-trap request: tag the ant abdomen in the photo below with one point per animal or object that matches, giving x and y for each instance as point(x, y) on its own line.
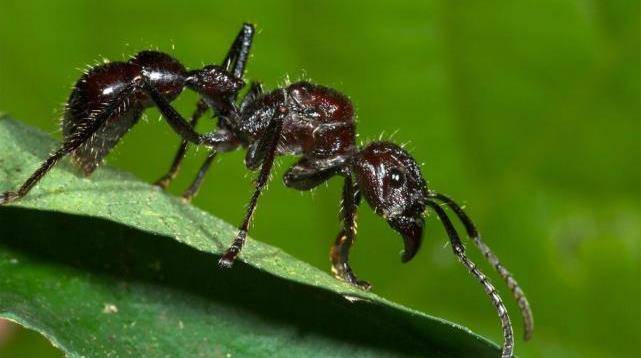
point(164, 73)
point(100, 86)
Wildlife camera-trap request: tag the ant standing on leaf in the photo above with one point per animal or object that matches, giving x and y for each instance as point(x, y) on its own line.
point(304, 119)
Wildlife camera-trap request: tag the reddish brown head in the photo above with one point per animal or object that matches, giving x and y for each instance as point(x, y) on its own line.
point(392, 184)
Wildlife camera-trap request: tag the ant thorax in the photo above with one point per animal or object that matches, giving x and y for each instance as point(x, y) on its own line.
point(319, 121)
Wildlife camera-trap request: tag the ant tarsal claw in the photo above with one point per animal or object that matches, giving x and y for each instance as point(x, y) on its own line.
point(363, 285)
point(225, 262)
point(8, 197)
point(163, 183)
point(228, 258)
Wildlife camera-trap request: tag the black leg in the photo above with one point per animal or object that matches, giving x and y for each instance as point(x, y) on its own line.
point(238, 53)
point(165, 180)
point(231, 120)
point(220, 141)
point(459, 251)
point(117, 105)
point(235, 62)
point(255, 91)
point(307, 174)
point(198, 181)
point(175, 120)
point(339, 254)
point(270, 143)
point(472, 232)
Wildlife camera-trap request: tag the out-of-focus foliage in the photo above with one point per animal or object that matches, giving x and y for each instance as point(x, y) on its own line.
point(527, 111)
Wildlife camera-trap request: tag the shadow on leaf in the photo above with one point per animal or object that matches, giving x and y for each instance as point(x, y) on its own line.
point(170, 297)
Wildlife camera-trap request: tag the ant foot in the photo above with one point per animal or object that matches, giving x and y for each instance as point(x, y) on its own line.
point(7, 197)
point(363, 285)
point(228, 258)
point(163, 183)
point(344, 273)
point(186, 197)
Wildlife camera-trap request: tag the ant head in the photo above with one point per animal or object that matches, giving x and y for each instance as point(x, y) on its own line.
point(392, 184)
point(214, 82)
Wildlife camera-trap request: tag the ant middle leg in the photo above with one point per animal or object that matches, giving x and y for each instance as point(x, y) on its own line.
point(339, 254)
point(238, 53)
point(165, 180)
point(222, 141)
point(265, 154)
point(192, 190)
point(235, 61)
point(231, 143)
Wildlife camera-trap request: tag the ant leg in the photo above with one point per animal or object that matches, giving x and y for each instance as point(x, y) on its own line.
point(267, 146)
point(339, 254)
point(175, 120)
point(222, 141)
point(198, 181)
point(307, 174)
point(473, 234)
point(118, 105)
point(238, 53)
point(459, 251)
point(235, 61)
point(255, 91)
point(165, 180)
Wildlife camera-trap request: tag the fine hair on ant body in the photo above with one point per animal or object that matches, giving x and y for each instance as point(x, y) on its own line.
point(313, 122)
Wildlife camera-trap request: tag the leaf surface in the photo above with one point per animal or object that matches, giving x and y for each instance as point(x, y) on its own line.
point(111, 266)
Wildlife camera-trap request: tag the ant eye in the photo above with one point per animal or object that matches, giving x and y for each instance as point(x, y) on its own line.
point(397, 178)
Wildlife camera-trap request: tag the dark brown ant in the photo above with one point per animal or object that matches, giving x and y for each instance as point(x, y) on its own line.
point(305, 119)
point(109, 99)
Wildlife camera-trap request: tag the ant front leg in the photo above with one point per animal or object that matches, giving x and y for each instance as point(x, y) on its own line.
point(165, 180)
point(265, 153)
point(339, 254)
point(308, 174)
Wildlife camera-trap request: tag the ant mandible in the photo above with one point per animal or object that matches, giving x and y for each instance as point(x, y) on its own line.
point(304, 119)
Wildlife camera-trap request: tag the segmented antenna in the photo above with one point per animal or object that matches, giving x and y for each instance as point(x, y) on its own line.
point(517, 292)
point(508, 336)
point(459, 251)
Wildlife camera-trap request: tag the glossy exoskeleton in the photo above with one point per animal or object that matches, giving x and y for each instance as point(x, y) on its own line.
point(109, 99)
point(313, 122)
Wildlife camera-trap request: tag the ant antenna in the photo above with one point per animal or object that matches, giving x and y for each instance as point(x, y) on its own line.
point(517, 292)
point(459, 251)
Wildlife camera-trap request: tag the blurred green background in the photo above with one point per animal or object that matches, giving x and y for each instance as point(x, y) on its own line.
point(527, 111)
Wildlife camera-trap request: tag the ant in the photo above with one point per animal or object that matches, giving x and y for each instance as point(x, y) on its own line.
point(305, 119)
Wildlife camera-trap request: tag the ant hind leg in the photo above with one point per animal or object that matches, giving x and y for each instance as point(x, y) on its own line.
point(221, 141)
point(117, 106)
point(238, 53)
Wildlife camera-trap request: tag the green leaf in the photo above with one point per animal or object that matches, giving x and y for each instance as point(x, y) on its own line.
point(109, 265)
